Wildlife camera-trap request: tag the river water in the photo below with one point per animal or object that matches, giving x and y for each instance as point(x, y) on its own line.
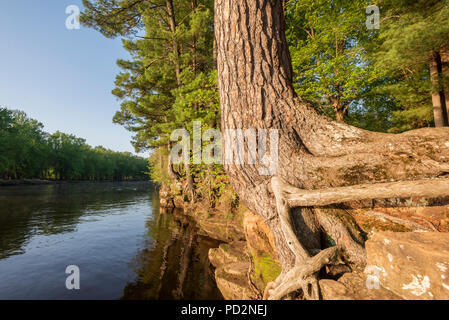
point(124, 247)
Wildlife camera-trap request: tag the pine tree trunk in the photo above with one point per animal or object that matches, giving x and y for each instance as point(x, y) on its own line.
point(255, 86)
point(439, 111)
point(244, 32)
point(340, 110)
point(340, 114)
point(172, 22)
point(445, 71)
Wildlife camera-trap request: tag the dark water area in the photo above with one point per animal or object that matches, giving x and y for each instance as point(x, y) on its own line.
point(124, 246)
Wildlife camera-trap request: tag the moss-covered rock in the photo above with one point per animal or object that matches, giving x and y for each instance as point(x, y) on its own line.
point(266, 269)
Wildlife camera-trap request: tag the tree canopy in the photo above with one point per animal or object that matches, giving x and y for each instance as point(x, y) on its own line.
point(329, 61)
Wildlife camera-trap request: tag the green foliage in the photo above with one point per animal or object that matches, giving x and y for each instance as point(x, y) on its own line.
point(114, 17)
point(409, 33)
point(197, 100)
point(26, 151)
point(158, 166)
point(23, 148)
point(213, 186)
point(373, 112)
point(163, 89)
point(329, 60)
point(378, 79)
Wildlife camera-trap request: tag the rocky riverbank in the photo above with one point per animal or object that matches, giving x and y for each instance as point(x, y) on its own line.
point(406, 242)
point(246, 260)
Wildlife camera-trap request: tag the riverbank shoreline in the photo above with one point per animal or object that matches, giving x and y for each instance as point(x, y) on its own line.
point(246, 260)
point(34, 182)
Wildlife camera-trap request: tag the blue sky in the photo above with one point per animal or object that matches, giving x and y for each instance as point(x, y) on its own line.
point(61, 77)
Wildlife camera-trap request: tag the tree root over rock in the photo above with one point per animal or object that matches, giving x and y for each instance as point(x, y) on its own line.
point(304, 274)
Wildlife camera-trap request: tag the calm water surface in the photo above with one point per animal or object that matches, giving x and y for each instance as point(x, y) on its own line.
point(125, 248)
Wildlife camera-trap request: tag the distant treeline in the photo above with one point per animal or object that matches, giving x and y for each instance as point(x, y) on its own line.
point(27, 152)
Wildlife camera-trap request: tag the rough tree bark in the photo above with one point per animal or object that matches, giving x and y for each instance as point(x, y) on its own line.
point(438, 100)
point(175, 48)
point(337, 105)
point(445, 68)
point(255, 85)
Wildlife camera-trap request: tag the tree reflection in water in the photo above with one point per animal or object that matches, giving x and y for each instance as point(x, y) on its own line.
point(176, 263)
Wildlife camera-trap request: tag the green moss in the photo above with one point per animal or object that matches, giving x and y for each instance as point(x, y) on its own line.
point(266, 268)
point(225, 247)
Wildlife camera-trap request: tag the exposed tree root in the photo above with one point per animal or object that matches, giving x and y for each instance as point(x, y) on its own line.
point(304, 273)
point(431, 188)
point(346, 234)
point(302, 276)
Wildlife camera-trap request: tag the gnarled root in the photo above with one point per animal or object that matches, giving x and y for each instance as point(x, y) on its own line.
point(302, 276)
point(347, 235)
point(428, 188)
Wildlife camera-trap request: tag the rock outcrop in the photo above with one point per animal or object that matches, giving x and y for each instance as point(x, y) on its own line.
point(165, 198)
point(413, 265)
point(233, 269)
point(354, 286)
point(260, 244)
point(225, 229)
point(244, 266)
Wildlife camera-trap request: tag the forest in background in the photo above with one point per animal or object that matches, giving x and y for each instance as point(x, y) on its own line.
point(391, 79)
point(28, 152)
